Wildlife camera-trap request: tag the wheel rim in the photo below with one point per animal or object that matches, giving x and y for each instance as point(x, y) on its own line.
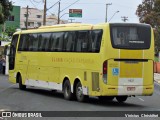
point(79, 92)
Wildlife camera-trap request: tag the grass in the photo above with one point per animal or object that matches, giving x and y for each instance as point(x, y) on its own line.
point(156, 59)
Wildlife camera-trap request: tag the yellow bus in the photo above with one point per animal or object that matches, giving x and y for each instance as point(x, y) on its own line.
point(110, 60)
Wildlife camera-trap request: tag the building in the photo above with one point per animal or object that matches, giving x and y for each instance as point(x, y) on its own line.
point(13, 20)
point(35, 18)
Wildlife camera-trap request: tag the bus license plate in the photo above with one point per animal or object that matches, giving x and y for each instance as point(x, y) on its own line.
point(131, 88)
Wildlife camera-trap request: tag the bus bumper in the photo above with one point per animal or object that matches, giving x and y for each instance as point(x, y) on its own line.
point(128, 90)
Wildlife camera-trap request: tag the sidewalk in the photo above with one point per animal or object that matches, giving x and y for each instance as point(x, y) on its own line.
point(157, 77)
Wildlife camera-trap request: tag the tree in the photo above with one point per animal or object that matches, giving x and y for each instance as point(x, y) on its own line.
point(149, 12)
point(4, 37)
point(10, 31)
point(5, 8)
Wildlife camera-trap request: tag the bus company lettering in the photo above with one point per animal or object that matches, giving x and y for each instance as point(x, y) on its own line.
point(73, 60)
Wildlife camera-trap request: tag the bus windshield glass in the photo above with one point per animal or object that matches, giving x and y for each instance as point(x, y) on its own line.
point(130, 36)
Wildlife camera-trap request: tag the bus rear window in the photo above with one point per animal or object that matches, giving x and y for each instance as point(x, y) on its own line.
point(126, 36)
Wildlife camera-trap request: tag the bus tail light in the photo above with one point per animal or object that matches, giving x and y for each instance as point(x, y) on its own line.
point(105, 72)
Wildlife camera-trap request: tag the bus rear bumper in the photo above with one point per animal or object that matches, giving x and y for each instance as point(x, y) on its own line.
point(128, 90)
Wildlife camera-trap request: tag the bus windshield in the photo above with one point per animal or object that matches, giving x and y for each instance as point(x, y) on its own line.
point(130, 36)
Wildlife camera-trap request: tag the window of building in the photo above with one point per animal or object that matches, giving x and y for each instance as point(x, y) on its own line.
point(39, 16)
point(39, 24)
point(11, 18)
point(31, 24)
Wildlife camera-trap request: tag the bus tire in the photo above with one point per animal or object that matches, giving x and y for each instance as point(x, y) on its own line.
point(106, 98)
point(79, 93)
point(67, 90)
point(21, 86)
point(121, 99)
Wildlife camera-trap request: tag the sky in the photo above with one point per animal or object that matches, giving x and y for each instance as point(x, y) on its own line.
point(93, 11)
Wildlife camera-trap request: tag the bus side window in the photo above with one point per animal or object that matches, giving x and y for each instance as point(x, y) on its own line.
point(50, 42)
point(23, 43)
point(54, 43)
point(82, 41)
point(34, 42)
point(30, 42)
point(96, 40)
point(70, 42)
point(41, 45)
point(60, 36)
point(46, 41)
point(66, 34)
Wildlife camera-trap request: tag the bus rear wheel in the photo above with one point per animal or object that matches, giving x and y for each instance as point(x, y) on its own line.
point(67, 90)
point(79, 93)
point(121, 99)
point(21, 86)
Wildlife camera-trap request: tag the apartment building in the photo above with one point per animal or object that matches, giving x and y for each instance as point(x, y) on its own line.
point(35, 18)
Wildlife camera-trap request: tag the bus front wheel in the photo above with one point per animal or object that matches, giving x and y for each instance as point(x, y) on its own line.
point(79, 93)
point(21, 86)
point(121, 99)
point(67, 90)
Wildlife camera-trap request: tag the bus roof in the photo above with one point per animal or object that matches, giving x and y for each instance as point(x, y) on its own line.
point(65, 25)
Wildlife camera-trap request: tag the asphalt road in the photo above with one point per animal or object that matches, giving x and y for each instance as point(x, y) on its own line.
point(36, 99)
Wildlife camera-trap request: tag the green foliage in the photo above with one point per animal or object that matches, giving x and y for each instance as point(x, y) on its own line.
point(156, 59)
point(4, 37)
point(6, 7)
point(149, 12)
point(10, 31)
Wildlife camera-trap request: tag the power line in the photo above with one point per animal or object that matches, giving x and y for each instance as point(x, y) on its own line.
point(37, 1)
point(113, 16)
point(86, 3)
point(33, 4)
point(69, 6)
point(53, 5)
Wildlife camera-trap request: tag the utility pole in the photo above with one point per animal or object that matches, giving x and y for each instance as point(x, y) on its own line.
point(44, 12)
point(27, 18)
point(59, 8)
point(124, 18)
point(107, 10)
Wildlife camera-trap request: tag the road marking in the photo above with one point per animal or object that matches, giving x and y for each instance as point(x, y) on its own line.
point(7, 88)
point(141, 99)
